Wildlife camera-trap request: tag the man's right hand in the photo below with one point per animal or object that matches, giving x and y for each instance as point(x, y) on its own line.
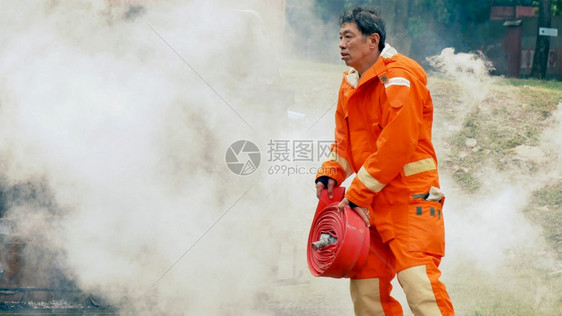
point(320, 187)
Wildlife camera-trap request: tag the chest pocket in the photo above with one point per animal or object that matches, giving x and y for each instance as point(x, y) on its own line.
point(397, 91)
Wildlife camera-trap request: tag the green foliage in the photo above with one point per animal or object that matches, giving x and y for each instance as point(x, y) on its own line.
point(514, 2)
point(458, 23)
point(330, 10)
point(457, 20)
point(416, 26)
point(556, 7)
point(447, 12)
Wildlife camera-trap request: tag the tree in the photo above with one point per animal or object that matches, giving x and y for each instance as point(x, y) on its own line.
point(542, 46)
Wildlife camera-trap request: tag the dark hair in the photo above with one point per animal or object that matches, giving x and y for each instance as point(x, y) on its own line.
point(368, 21)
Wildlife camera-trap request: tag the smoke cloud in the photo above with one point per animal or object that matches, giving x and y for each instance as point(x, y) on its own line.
point(118, 115)
point(490, 239)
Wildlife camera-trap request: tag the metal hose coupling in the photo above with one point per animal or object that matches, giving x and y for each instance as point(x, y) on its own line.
point(325, 240)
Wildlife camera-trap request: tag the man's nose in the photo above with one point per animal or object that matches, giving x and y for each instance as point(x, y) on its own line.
point(342, 44)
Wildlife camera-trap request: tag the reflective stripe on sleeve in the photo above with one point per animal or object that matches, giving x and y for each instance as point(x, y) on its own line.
point(397, 81)
point(419, 166)
point(368, 180)
point(341, 161)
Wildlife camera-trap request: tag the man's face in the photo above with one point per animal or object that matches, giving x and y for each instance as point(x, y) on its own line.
point(355, 49)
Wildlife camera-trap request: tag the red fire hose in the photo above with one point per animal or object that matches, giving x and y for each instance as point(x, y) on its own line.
point(338, 242)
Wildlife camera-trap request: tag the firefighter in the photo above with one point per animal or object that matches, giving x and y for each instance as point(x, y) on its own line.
point(383, 135)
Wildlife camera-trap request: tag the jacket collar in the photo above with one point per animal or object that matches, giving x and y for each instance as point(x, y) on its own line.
point(388, 51)
point(377, 70)
point(352, 77)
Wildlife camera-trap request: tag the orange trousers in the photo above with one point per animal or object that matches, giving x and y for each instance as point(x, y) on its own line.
point(418, 274)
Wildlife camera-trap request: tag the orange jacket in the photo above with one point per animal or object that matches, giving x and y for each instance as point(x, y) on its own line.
point(383, 134)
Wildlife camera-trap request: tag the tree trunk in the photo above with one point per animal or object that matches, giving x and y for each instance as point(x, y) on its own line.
point(542, 47)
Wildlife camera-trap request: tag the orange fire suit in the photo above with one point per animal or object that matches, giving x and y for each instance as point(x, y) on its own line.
point(383, 134)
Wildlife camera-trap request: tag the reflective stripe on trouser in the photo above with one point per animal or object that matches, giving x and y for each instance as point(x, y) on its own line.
point(418, 274)
point(365, 294)
point(419, 292)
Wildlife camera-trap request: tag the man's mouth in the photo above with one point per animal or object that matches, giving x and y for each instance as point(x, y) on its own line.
point(344, 55)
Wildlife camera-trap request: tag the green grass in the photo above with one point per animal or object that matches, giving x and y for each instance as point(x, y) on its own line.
point(514, 113)
point(544, 84)
point(545, 209)
point(521, 287)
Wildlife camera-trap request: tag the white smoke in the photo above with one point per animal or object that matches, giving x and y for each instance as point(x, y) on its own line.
point(470, 70)
point(489, 237)
point(126, 112)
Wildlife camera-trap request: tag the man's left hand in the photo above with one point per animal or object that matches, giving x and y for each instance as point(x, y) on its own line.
point(363, 212)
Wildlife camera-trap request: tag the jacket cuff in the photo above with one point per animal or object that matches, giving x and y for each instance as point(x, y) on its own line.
point(332, 169)
point(324, 180)
point(359, 194)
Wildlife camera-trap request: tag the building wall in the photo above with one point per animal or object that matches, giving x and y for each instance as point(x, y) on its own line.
point(510, 12)
point(528, 42)
point(503, 55)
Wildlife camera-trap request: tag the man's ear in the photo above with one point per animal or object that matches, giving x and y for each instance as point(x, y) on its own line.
point(374, 40)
